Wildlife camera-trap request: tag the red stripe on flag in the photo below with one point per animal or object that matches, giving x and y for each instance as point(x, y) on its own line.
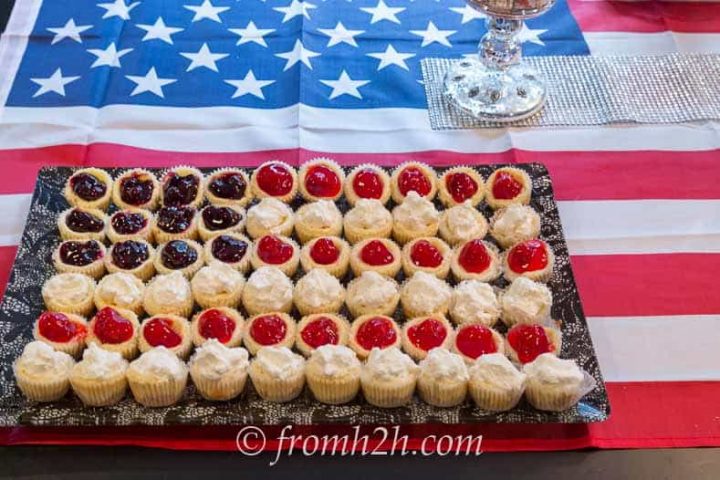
point(7, 258)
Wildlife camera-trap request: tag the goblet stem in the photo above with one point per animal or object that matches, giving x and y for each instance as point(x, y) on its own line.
point(499, 48)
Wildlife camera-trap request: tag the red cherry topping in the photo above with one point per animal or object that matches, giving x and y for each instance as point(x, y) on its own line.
point(461, 186)
point(324, 251)
point(529, 341)
point(528, 256)
point(413, 179)
point(368, 184)
point(425, 254)
point(268, 330)
point(474, 256)
point(215, 324)
point(376, 332)
point(321, 331)
point(111, 327)
point(475, 340)
point(322, 181)
point(428, 334)
point(274, 251)
point(159, 332)
point(275, 179)
point(505, 187)
point(375, 253)
point(57, 327)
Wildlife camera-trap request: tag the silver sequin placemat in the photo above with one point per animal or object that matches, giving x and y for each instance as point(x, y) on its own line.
point(585, 90)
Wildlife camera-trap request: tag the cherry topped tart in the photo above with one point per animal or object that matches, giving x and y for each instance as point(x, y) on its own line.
point(89, 188)
point(459, 185)
point(533, 259)
point(331, 254)
point(321, 179)
point(130, 223)
point(231, 248)
point(320, 329)
point(426, 254)
point(169, 331)
point(80, 256)
point(182, 186)
point(136, 188)
point(413, 177)
point(185, 256)
point(508, 185)
point(276, 251)
point(422, 334)
point(528, 341)
point(373, 331)
point(368, 182)
point(174, 223)
point(216, 219)
point(381, 255)
point(131, 256)
point(224, 324)
point(81, 223)
point(474, 339)
point(275, 329)
point(65, 332)
point(228, 186)
point(275, 179)
point(475, 260)
point(115, 329)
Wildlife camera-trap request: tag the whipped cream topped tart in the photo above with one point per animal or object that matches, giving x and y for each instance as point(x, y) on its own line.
point(331, 254)
point(443, 378)
point(219, 372)
point(318, 292)
point(217, 285)
point(367, 219)
point(368, 182)
point(318, 219)
point(269, 216)
point(137, 188)
point(461, 223)
point(122, 290)
point(228, 187)
point(218, 219)
point(333, 374)
point(43, 374)
point(129, 224)
point(275, 179)
point(389, 378)
point(89, 188)
point(277, 373)
point(372, 293)
point(514, 224)
point(415, 217)
point(69, 293)
point(100, 378)
point(267, 289)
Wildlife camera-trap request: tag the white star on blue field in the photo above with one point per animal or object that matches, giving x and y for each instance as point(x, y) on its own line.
point(255, 53)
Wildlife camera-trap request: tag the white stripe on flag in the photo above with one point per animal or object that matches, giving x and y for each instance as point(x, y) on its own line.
point(15, 209)
point(624, 43)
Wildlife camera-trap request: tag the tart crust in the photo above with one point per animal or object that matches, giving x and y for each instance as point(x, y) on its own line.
point(95, 269)
point(129, 348)
point(76, 344)
point(218, 201)
point(338, 268)
point(427, 171)
point(499, 341)
point(446, 197)
point(341, 323)
point(190, 233)
point(235, 338)
point(253, 346)
point(117, 190)
point(179, 325)
point(325, 162)
point(288, 268)
point(541, 276)
point(188, 271)
point(206, 234)
point(144, 271)
point(145, 233)
point(488, 275)
point(242, 265)
point(67, 234)
point(353, 197)
point(101, 203)
point(361, 351)
point(522, 198)
point(416, 352)
point(183, 171)
point(358, 266)
point(260, 193)
point(441, 271)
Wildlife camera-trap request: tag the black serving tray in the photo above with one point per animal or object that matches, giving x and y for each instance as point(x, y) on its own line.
point(23, 303)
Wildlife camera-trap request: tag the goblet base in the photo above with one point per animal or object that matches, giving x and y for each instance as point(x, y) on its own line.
point(498, 95)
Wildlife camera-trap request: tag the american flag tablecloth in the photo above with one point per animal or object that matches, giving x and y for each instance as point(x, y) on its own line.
point(215, 82)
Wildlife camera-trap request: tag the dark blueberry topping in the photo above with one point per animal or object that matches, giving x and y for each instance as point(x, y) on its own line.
point(180, 189)
point(80, 254)
point(175, 219)
point(87, 186)
point(220, 218)
point(130, 254)
point(128, 223)
point(229, 185)
point(79, 221)
point(136, 189)
point(178, 254)
point(228, 249)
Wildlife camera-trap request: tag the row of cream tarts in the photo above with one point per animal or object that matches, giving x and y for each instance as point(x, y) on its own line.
point(454, 186)
point(334, 375)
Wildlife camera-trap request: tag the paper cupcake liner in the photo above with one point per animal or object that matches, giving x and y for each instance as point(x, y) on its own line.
point(444, 195)
point(184, 170)
point(315, 161)
point(67, 234)
point(333, 391)
point(355, 235)
point(523, 198)
point(219, 390)
point(101, 203)
point(388, 396)
point(47, 391)
point(129, 350)
point(84, 308)
point(154, 199)
point(442, 394)
point(224, 202)
point(350, 195)
point(158, 394)
point(402, 235)
point(100, 393)
point(258, 193)
point(554, 399)
point(494, 400)
point(230, 300)
point(73, 348)
point(275, 389)
point(397, 196)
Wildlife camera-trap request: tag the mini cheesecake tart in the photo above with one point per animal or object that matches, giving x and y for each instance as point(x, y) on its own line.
point(270, 215)
point(422, 334)
point(217, 285)
point(182, 186)
point(175, 223)
point(318, 292)
point(267, 290)
point(476, 260)
point(169, 331)
point(425, 294)
point(321, 179)
point(276, 251)
point(526, 342)
point(230, 248)
point(69, 293)
point(533, 259)
point(274, 329)
point(121, 290)
point(274, 179)
point(474, 340)
point(459, 185)
point(514, 224)
point(80, 256)
point(129, 224)
point(228, 187)
point(368, 219)
point(219, 219)
point(368, 182)
point(373, 331)
point(380, 255)
point(415, 217)
point(372, 293)
point(137, 188)
point(318, 329)
point(461, 223)
point(115, 329)
point(318, 219)
point(224, 324)
point(413, 177)
point(506, 186)
point(65, 332)
point(331, 254)
point(474, 301)
point(131, 256)
point(426, 254)
point(89, 188)
point(82, 224)
point(169, 294)
point(184, 256)
point(525, 301)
